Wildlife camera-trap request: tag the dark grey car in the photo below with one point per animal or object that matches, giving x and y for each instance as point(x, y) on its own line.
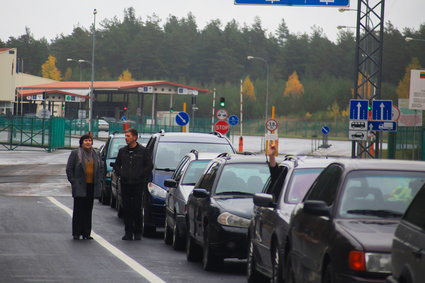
point(408, 250)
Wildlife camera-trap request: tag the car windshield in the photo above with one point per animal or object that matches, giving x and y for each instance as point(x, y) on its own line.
point(116, 144)
point(194, 171)
point(379, 194)
point(301, 181)
point(169, 154)
point(247, 178)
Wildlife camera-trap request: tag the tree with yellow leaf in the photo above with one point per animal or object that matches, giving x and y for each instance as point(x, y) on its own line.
point(404, 85)
point(126, 76)
point(334, 111)
point(49, 69)
point(293, 87)
point(248, 88)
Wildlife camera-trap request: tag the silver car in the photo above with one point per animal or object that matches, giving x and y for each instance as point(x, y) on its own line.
point(180, 186)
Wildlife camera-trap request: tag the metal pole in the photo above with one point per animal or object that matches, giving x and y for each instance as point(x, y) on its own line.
point(92, 73)
point(213, 112)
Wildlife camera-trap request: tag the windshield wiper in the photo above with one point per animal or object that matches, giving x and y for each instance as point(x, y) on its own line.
point(234, 193)
point(165, 169)
point(376, 212)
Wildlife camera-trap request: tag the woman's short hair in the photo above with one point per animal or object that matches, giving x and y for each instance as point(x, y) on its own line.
point(85, 137)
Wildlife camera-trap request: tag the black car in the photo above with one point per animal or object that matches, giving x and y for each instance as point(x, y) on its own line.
point(343, 229)
point(181, 184)
point(220, 207)
point(408, 250)
point(167, 149)
point(268, 231)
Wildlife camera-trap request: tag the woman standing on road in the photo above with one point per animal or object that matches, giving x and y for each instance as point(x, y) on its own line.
point(84, 172)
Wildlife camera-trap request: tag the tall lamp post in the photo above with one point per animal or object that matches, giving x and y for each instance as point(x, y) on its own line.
point(267, 82)
point(92, 73)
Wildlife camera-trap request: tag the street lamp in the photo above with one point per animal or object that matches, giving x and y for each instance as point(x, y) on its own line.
point(413, 39)
point(92, 73)
point(344, 27)
point(79, 61)
point(267, 82)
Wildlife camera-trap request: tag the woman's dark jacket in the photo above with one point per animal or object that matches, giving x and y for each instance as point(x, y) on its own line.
point(134, 165)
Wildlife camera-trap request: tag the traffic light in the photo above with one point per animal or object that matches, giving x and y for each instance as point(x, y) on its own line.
point(125, 108)
point(222, 102)
point(171, 110)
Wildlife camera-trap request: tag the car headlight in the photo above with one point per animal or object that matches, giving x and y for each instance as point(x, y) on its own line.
point(378, 262)
point(229, 219)
point(156, 190)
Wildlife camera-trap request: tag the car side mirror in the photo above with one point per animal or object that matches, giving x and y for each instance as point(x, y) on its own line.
point(264, 200)
point(170, 183)
point(316, 207)
point(112, 164)
point(201, 193)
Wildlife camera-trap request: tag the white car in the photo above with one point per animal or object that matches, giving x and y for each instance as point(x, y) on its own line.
point(102, 125)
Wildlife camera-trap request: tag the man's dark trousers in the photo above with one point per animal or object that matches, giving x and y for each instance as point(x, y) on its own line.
point(132, 207)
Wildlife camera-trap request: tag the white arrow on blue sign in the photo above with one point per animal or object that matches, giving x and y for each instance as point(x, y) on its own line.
point(358, 109)
point(382, 110)
point(325, 130)
point(325, 3)
point(233, 120)
point(182, 118)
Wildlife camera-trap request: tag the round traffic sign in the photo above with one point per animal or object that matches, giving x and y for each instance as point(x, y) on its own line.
point(222, 114)
point(182, 118)
point(233, 120)
point(325, 130)
point(272, 125)
point(396, 113)
point(222, 127)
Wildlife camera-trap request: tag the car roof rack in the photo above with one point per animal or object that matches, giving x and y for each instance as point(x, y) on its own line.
point(216, 134)
point(195, 152)
point(224, 154)
point(162, 132)
point(291, 158)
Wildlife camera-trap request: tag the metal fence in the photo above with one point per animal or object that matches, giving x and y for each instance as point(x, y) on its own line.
point(407, 143)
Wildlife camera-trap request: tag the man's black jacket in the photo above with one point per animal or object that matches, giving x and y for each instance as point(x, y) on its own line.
point(133, 165)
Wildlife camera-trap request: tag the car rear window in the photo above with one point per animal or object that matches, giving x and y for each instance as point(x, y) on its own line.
point(377, 194)
point(169, 154)
point(243, 177)
point(300, 182)
point(116, 144)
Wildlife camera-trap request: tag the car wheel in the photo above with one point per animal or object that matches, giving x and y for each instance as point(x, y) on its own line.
point(252, 274)
point(193, 251)
point(167, 232)
point(178, 240)
point(276, 266)
point(147, 230)
point(210, 261)
point(328, 274)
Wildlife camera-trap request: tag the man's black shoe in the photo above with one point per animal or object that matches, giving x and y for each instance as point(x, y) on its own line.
point(137, 237)
point(127, 237)
point(87, 237)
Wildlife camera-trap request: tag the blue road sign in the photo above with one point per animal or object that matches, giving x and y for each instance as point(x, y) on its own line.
point(233, 120)
point(358, 109)
point(325, 130)
point(382, 126)
point(325, 3)
point(182, 118)
point(382, 110)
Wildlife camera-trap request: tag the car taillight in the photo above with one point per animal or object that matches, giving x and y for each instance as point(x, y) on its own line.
point(356, 261)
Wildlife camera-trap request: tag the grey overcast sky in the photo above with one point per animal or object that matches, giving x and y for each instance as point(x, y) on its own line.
point(48, 18)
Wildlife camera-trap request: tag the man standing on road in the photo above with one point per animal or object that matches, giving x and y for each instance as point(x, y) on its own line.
point(134, 166)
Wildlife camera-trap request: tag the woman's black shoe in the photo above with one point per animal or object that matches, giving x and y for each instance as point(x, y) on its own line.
point(87, 237)
point(127, 237)
point(75, 237)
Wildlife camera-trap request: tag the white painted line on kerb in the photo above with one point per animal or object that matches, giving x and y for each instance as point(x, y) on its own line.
point(115, 251)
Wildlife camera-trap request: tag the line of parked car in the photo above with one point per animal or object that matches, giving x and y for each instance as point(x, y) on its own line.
point(317, 220)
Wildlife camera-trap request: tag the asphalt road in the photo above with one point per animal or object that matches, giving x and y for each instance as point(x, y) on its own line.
point(36, 243)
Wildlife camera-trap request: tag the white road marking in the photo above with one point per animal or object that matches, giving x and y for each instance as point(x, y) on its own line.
point(115, 251)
